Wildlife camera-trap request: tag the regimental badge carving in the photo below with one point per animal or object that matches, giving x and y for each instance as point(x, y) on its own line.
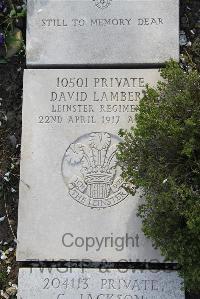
point(102, 3)
point(90, 171)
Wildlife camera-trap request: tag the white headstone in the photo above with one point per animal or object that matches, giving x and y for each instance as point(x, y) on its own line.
point(98, 284)
point(72, 202)
point(74, 32)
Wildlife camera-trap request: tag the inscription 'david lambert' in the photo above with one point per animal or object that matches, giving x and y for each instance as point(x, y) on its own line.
point(114, 95)
point(143, 21)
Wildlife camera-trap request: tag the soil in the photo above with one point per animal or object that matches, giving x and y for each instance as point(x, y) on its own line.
point(11, 76)
point(11, 84)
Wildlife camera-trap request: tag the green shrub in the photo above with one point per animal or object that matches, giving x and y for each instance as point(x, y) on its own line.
point(161, 155)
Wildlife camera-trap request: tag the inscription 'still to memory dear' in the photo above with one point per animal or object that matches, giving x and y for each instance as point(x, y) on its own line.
point(51, 22)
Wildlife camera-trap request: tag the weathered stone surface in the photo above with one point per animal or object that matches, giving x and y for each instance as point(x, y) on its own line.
point(72, 202)
point(98, 284)
point(102, 32)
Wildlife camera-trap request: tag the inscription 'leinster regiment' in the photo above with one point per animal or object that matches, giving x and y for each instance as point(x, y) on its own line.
point(98, 186)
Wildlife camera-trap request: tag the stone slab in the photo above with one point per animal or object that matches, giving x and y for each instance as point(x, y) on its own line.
point(72, 202)
point(76, 32)
point(98, 284)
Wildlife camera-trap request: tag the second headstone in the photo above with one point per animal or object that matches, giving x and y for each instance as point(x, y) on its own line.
point(109, 32)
